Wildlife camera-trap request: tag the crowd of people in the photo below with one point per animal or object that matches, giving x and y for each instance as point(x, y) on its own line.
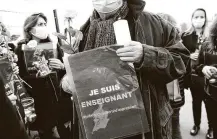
point(161, 53)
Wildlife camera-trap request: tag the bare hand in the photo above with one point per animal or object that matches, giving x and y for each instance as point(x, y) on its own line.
point(15, 68)
point(131, 52)
point(209, 71)
point(194, 56)
point(12, 98)
point(56, 64)
point(66, 85)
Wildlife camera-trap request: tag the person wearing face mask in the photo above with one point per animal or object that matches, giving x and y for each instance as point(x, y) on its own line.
point(153, 40)
point(194, 40)
point(207, 68)
point(52, 105)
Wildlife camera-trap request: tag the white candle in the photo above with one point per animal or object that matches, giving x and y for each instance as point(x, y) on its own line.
point(122, 32)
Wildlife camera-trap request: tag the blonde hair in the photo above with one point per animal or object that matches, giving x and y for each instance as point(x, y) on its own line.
point(205, 32)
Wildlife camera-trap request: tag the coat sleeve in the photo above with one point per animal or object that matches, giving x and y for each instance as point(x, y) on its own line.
point(201, 63)
point(168, 62)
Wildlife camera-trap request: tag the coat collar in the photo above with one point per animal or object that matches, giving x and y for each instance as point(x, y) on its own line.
point(136, 7)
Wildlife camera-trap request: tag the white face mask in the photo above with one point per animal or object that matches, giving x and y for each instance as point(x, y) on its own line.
point(198, 23)
point(107, 6)
point(40, 32)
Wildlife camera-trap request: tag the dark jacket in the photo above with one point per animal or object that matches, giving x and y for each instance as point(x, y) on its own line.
point(11, 127)
point(50, 101)
point(190, 41)
point(204, 60)
point(165, 63)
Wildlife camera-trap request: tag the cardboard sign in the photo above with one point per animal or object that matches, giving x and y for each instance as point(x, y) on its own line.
point(37, 57)
point(107, 94)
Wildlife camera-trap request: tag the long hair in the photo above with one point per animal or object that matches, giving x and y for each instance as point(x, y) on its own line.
point(213, 34)
point(204, 28)
point(31, 22)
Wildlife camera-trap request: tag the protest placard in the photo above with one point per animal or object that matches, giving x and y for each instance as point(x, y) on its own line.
point(107, 94)
point(37, 57)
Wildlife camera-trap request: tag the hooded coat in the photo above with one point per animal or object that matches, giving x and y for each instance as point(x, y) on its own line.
point(160, 65)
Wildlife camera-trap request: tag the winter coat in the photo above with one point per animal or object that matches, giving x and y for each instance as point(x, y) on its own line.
point(160, 65)
point(190, 41)
point(51, 103)
point(205, 60)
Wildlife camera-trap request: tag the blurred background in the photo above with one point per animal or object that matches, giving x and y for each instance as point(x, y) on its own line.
point(14, 12)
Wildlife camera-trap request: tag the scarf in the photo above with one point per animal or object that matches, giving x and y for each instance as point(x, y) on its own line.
point(101, 32)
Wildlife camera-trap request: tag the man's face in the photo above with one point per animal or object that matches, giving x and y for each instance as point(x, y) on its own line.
point(107, 6)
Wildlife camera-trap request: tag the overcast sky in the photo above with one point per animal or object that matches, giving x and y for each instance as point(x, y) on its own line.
point(181, 10)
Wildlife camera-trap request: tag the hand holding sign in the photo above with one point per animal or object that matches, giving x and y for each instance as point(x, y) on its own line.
point(106, 90)
point(56, 64)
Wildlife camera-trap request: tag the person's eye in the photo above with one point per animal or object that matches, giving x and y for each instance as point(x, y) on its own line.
point(42, 24)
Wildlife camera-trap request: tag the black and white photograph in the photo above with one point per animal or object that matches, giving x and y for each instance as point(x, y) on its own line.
point(108, 69)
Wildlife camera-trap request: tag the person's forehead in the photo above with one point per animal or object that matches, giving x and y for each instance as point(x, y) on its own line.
point(199, 13)
point(41, 20)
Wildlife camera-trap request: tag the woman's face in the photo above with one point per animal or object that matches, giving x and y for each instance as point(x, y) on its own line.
point(41, 22)
point(198, 19)
point(40, 29)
